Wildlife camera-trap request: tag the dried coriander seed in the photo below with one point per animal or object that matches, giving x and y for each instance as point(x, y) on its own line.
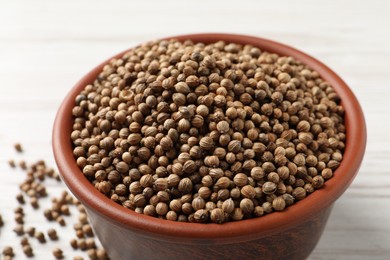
point(201, 216)
point(30, 231)
point(73, 243)
point(28, 251)
point(19, 230)
point(52, 233)
point(57, 253)
point(18, 147)
point(8, 251)
point(217, 216)
point(279, 204)
point(40, 236)
point(11, 163)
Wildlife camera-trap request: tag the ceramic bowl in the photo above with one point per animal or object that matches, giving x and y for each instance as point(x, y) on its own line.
point(291, 234)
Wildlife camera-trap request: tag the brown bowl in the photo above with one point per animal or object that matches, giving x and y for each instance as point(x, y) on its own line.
point(291, 234)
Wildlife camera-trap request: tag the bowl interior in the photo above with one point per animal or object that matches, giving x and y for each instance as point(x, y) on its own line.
point(299, 212)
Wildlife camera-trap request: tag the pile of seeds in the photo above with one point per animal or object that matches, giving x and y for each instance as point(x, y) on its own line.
point(207, 132)
point(33, 188)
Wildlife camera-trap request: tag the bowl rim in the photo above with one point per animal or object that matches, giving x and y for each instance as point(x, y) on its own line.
point(262, 226)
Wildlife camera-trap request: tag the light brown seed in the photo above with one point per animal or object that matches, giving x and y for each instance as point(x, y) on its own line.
point(201, 216)
point(28, 251)
point(217, 216)
point(18, 147)
point(57, 253)
point(278, 204)
point(52, 233)
point(299, 193)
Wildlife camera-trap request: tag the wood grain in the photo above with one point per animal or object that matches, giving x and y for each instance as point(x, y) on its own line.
point(46, 46)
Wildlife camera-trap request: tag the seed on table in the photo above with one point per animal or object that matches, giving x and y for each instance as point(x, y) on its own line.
point(60, 220)
point(40, 236)
point(90, 243)
point(79, 233)
point(24, 241)
point(23, 165)
point(52, 233)
point(34, 202)
point(18, 147)
point(28, 251)
point(65, 210)
point(81, 244)
point(57, 253)
point(20, 198)
point(30, 231)
point(78, 257)
point(101, 254)
point(11, 163)
point(73, 243)
point(48, 214)
point(19, 218)
point(19, 229)
point(83, 218)
point(1, 221)
point(8, 251)
point(87, 229)
point(92, 254)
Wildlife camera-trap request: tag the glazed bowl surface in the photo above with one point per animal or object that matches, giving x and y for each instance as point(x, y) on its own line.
point(291, 234)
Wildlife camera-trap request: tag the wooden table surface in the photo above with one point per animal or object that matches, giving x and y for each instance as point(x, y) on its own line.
point(46, 46)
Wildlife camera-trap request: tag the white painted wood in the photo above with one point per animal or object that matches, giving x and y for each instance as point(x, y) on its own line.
point(46, 46)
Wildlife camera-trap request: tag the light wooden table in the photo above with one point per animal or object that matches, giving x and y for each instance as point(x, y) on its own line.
point(46, 46)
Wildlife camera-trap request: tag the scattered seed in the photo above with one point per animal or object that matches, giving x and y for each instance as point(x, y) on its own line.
point(34, 202)
point(60, 220)
point(28, 251)
point(18, 147)
point(12, 163)
point(40, 236)
point(8, 251)
point(30, 231)
point(52, 233)
point(73, 243)
point(58, 254)
point(19, 230)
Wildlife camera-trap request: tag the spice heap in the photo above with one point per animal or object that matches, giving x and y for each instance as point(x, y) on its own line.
point(33, 189)
point(207, 132)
